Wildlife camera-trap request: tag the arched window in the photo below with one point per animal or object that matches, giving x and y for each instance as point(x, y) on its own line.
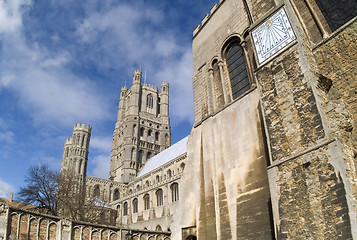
point(116, 194)
point(182, 166)
point(147, 183)
point(135, 205)
point(138, 187)
point(169, 173)
point(174, 192)
point(159, 198)
point(148, 156)
point(217, 84)
point(157, 178)
point(142, 132)
point(125, 210)
point(96, 191)
point(236, 65)
point(149, 101)
point(157, 136)
point(140, 159)
point(146, 202)
point(337, 12)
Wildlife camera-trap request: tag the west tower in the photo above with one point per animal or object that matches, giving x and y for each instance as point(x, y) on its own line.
point(142, 128)
point(75, 153)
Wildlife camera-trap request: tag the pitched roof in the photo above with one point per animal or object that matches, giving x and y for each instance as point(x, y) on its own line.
point(165, 156)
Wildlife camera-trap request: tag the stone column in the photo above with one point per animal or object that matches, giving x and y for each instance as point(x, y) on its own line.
point(210, 93)
point(220, 65)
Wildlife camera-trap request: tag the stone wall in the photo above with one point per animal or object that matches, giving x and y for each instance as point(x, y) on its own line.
point(22, 224)
point(307, 101)
point(157, 216)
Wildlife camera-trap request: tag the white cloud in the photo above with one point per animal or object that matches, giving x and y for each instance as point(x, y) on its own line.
point(5, 189)
point(103, 144)
point(7, 137)
point(45, 88)
point(101, 165)
point(179, 75)
point(11, 15)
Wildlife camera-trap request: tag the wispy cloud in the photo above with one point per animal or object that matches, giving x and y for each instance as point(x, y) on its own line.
point(101, 165)
point(11, 14)
point(5, 189)
point(102, 144)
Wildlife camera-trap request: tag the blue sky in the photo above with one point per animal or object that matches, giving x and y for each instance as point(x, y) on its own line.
point(65, 61)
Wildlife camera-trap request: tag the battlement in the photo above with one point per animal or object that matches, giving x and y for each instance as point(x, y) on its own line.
point(124, 89)
point(82, 127)
point(206, 18)
point(137, 72)
point(149, 86)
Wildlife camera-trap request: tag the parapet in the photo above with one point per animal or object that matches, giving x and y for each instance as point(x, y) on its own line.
point(206, 18)
point(82, 127)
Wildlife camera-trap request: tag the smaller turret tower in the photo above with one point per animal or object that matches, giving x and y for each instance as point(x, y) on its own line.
point(75, 154)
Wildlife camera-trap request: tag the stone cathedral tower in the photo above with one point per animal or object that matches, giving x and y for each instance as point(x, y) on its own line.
point(142, 129)
point(75, 153)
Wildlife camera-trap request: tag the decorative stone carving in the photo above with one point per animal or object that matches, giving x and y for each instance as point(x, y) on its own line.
point(3, 208)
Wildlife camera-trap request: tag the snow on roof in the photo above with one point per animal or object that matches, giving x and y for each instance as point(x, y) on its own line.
point(165, 156)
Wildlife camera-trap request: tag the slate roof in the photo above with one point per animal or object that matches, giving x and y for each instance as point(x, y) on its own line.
point(165, 156)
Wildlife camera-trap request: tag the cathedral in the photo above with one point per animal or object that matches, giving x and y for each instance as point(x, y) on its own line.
point(272, 153)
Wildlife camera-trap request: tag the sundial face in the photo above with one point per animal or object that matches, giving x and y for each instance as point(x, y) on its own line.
point(272, 35)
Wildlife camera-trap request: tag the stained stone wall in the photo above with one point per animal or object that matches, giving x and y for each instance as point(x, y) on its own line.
point(305, 100)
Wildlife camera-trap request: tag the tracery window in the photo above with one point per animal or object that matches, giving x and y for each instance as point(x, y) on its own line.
point(116, 194)
point(159, 197)
point(149, 101)
point(174, 192)
point(135, 205)
point(337, 12)
point(146, 202)
point(236, 65)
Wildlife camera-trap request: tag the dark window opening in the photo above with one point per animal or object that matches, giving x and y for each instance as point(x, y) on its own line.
point(337, 12)
point(235, 60)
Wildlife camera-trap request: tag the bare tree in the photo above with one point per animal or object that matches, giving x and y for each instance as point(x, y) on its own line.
point(41, 188)
point(64, 195)
point(74, 203)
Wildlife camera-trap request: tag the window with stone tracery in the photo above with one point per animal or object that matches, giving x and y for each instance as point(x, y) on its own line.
point(149, 101)
point(135, 205)
point(159, 197)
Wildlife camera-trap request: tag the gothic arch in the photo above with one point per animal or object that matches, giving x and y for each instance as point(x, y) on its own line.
point(236, 66)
